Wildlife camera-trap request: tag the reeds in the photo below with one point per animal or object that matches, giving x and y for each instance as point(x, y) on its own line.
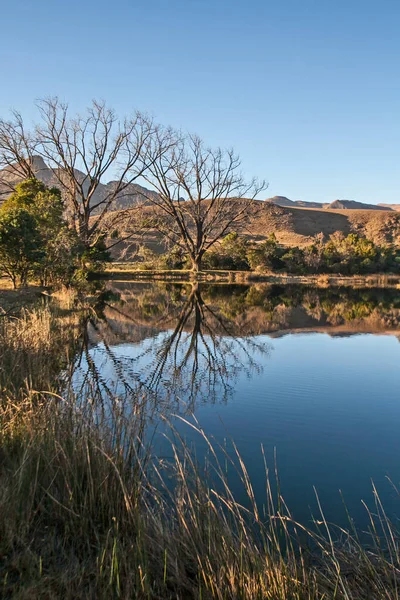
point(35, 344)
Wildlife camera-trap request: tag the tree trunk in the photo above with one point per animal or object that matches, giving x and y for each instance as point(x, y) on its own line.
point(196, 265)
point(83, 231)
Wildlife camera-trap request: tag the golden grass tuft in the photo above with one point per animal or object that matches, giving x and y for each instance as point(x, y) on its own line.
point(35, 344)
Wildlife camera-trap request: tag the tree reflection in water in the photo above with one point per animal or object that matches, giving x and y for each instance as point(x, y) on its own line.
point(202, 355)
point(189, 353)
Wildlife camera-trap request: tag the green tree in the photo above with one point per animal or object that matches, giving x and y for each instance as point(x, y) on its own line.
point(21, 244)
point(60, 249)
point(266, 255)
point(293, 260)
point(230, 253)
point(43, 203)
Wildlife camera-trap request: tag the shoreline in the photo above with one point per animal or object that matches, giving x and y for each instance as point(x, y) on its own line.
point(248, 277)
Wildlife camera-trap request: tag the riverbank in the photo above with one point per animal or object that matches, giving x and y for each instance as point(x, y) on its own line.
point(127, 272)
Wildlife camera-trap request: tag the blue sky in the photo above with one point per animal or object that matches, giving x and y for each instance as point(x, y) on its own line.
point(307, 91)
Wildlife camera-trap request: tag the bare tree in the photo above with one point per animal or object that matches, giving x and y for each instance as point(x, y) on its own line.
point(82, 152)
point(95, 145)
point(17, 150)
point(202, 194)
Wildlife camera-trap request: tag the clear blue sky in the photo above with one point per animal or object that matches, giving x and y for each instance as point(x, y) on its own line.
point(308, 92)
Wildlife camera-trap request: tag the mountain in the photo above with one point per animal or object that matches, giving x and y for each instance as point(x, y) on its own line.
point(295, 223)
point(335, 205)
point(395, 207)
point(135, 194)
point(292, 226)
point(132, 195)
point(280, 201)
point(283, 201)
point(353, 205)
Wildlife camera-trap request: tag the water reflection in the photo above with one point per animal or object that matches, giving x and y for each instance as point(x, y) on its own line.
point(180, 344)
point(172, 343)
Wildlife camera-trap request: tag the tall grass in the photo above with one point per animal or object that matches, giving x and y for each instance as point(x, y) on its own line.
point(88, 511)
point(36, 344)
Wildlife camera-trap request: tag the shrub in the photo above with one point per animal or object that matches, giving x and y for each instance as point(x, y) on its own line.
point(230, 255)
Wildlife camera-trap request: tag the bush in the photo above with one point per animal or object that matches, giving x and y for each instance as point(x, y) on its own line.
point(349, 255)
point(267, 256)
point(176, 258)
point(231, 254)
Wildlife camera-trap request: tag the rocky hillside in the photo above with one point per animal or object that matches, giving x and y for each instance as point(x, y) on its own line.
point(291, 226)
point(132, 195)
point(283, 201)
point(353, 205)
point(298, 226)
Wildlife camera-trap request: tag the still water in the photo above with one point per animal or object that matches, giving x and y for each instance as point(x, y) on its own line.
point(310, 375)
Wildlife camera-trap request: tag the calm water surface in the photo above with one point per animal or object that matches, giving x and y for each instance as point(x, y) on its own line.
point(311, 375)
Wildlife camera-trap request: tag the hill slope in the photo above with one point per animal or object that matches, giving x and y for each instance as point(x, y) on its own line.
point(296, 226)
point(392, 206)
point(353, 205)
point(132, 195)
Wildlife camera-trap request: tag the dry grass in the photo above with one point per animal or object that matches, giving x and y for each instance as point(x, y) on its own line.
point(36, 343)
point(11, 301)
point(87, 511)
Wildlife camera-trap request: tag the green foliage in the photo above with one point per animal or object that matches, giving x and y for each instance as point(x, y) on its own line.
point(231, 254)
point(58, 248)
point(20, 244)
point(176, 258)
point(44, 203)
point(63, 254)
point(97, 254)
point(266, 255)
point(349, 255)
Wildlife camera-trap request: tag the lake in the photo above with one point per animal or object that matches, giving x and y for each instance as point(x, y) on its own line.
point(310, 374)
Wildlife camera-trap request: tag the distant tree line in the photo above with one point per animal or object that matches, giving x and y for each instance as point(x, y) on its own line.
point(346, 255)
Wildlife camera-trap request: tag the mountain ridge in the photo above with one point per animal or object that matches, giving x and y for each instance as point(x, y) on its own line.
point(335, 205)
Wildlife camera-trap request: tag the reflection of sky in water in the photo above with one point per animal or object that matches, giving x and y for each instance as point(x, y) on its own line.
point(330, 407)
